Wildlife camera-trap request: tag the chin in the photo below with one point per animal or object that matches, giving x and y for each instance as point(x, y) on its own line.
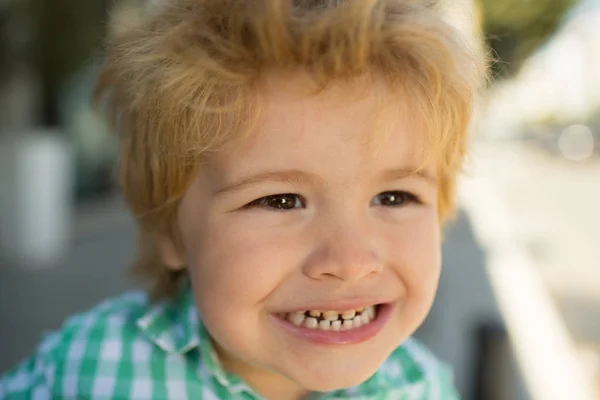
point(326, 380)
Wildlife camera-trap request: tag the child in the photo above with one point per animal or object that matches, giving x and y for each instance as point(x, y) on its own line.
point(290, 164)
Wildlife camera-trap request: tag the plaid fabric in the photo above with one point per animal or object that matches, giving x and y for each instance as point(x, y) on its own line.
point(128, 348)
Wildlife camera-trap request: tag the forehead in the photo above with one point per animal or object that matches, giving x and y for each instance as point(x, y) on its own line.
point(358, 121)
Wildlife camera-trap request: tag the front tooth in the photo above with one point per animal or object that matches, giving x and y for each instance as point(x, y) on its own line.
point(357, 322)
point(314, 313)
point(336, 325)
point(347, 324)
point(311, 323)
point(365, 318)
point(348, 314)
point(324, 325)
point(296, 318)
point(330, 315)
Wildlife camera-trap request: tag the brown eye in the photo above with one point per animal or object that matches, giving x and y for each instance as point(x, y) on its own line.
point(394, 199)
point(280, 202)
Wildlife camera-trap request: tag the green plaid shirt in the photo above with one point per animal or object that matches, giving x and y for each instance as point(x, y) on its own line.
point(129, 348)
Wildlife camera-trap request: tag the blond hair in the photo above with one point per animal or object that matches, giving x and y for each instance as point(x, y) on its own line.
point(181, 83)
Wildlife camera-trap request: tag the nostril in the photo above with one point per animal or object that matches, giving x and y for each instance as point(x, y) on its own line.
point(372, 274)
point(330, 275)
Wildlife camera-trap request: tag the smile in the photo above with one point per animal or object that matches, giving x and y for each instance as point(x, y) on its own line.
point(332, 320)
point(336, 327)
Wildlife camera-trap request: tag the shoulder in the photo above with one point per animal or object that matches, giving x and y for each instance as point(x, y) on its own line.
point(87, 346)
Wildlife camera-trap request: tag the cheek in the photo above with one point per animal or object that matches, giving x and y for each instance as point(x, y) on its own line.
point(235, 266)
point(418, 260)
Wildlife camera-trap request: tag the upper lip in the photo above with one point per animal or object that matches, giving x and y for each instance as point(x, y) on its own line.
point(338, 306)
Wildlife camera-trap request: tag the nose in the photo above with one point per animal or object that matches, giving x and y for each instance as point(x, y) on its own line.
point(345, 254)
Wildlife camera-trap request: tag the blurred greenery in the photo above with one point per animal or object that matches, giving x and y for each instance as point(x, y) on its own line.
point(516, 28)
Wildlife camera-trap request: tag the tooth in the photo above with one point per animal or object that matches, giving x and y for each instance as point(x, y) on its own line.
point(330, 315)
point(371, 312)
point(311, 323)
point(357, 322)
point(348, 314)
point(347, 324)
point(296, 318)
point(325, 325)
point(336, 325)
point(360, 309)
point(365, 318)
point(315, 313)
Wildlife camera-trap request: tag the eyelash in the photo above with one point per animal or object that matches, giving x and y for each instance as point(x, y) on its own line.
point(263, 202)
point(408, 198)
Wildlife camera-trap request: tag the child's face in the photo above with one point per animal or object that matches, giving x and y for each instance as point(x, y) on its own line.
point(314, 212)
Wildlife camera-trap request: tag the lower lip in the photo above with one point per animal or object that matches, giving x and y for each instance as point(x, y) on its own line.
point(352, 336)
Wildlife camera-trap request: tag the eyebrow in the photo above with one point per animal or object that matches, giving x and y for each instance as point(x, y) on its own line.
point(293, 177)
point(296, 177)
point(407, 172)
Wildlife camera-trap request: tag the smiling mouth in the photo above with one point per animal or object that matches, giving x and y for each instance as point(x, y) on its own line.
point(332, 320)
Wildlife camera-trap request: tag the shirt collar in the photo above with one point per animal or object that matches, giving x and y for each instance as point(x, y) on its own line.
point(175, 326)
point(172, 324)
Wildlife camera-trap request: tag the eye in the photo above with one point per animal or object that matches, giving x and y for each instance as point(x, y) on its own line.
point(279, 202)
point(395, 199)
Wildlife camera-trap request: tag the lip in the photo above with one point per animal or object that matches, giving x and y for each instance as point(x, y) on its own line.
point(353, 336)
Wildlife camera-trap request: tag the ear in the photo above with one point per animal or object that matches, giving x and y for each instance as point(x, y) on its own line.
point(171, 256)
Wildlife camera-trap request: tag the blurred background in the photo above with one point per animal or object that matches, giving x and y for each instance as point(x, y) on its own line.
point(518, 311)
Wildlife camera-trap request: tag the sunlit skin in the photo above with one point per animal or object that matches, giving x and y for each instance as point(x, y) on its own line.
point(318, 208)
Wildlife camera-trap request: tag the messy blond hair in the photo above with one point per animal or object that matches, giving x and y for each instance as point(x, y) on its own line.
point(183, 81)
